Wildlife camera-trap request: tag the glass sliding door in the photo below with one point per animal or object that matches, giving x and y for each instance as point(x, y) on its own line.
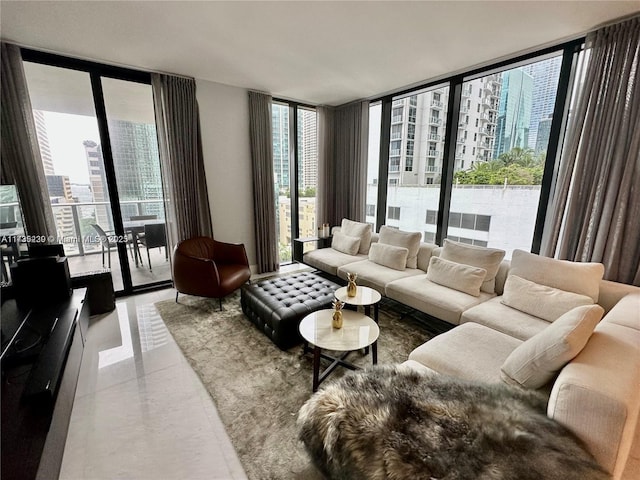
point(74, 167)
point(96, 131)
point(505, 122)
point(134, 149)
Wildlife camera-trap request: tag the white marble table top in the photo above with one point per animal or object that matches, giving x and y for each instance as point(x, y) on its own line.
point(364, 296)
point(358, 330)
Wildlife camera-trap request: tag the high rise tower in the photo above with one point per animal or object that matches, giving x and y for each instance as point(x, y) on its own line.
point(43, 142)
point(545, 86)
point(514, 114)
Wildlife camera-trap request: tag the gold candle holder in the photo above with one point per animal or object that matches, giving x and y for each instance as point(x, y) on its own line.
point(352, 288)
point(336, 319)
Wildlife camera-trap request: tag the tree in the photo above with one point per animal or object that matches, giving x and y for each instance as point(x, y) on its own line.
point(519, 166)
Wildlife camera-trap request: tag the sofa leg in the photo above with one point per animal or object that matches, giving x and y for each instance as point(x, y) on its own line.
point(177, 293)
point(220, 300)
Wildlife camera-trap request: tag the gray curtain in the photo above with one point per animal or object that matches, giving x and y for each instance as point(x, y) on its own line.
point(181, 159)
point(326, 185)
point(342, 163)
point(595, 209)
point(21, 161)
point(264, 197)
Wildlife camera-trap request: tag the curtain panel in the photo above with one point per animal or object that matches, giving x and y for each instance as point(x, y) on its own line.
point(264, 196)
point(181, 158)
point(343, 135)
point(21, 161)
point(595, 206)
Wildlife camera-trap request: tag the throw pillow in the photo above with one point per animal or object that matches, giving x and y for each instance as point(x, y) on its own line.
point(458, 276)
point(536, 361)
point(481, 257)
point(399, 238)
point(388, 255)
point(540, 301)
point(358, 229)
point(345, 243)
point(577, 277)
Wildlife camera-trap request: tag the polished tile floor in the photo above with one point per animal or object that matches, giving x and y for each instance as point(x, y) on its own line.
point(140, 410)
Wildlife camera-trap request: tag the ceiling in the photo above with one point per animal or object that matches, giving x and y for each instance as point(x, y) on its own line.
point(319, 52)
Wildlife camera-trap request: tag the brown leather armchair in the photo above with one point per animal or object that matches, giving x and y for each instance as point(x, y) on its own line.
point(205, 267)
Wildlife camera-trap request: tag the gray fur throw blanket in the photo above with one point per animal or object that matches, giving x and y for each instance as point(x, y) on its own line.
point(395, 423)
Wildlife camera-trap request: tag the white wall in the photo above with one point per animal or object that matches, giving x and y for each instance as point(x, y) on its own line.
point(224, 119)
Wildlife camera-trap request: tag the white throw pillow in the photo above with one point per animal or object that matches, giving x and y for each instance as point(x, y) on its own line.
point(388, 255)
point(536, 361)
point(358, 229)
point(345, 243)
point(481, 257)
point(464, 278)
point(399, 238)
point(540, 301)
point(578, 277)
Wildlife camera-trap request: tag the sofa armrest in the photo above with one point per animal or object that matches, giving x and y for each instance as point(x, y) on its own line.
point(612, 292)
point(596, 395)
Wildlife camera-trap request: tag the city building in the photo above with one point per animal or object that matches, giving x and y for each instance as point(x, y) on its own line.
point(43, 142)
point(514, 114)
point(98, 183)
point(545, 86)
point(137, 165)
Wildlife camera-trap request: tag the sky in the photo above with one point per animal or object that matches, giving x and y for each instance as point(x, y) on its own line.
point(66, 133)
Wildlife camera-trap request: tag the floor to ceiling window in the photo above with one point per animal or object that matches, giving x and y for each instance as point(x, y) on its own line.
point(99, 152)
point(500, 155)
point(418, 127)
point(473, 166)
point(373, 162)
point(295, 174)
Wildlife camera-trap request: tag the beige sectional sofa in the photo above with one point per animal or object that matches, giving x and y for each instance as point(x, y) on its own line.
point(531, 321)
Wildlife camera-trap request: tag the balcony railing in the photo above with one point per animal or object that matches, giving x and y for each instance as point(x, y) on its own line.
point(432, 169)
point(435, 120)
point(433, 153)
point(74, 220)
point(436, 103)
point(434, 137)
point(396, 119)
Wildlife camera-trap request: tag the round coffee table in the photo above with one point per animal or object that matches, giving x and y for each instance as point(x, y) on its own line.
point(365, 296)
point(358, 331)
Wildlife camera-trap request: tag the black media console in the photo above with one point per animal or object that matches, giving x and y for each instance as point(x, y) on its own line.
point(41, 354)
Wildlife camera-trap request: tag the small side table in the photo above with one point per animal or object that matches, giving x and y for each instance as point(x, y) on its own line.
point(365, 296)
point(358, 331)
point(298, 245)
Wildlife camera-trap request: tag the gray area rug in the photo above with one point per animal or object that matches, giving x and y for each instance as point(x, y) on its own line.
point(258, 388)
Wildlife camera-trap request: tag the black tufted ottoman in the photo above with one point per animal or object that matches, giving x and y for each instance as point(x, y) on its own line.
point(278, 305)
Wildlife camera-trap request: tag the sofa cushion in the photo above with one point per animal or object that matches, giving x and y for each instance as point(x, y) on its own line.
point(376, 276)
point(577, 277)
point(441, 302)
point(329, 260)
point(494, 314)
point(458, 276)
point(542, 301)
point(399, 238)
point(357, 229)
point(345, 243)
point(537, 360)
point(389, 256)
point(482, 257)
point(469, 352)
